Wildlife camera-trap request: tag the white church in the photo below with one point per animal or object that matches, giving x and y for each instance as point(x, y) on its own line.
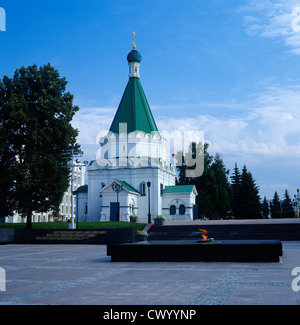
point(132, 174)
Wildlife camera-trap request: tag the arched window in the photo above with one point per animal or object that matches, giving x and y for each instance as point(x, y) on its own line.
point(143, 188)
point(182, 209)
point(172, 210)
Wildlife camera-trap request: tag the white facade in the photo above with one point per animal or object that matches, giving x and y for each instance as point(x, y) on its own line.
point(78, 180)
point(95, 200)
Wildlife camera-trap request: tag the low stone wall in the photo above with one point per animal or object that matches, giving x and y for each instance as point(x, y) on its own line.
point(67, 236)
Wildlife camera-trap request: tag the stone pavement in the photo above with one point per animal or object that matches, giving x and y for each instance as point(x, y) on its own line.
point(84, 275)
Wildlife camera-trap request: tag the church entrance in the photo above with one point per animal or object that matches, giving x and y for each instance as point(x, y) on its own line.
point(114, 211)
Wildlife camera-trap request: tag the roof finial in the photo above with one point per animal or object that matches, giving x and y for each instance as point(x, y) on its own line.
point(134, 45)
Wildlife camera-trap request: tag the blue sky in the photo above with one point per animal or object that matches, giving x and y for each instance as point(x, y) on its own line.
point(226, 67)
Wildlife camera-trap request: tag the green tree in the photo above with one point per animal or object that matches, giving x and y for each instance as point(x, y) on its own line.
point(265, 208)
point(35, 117)
point(287, 206)
point(212, 186)
point(7, 162)
point(245, 195)
point(220, 187)
point(275, 206)
point(235, 187)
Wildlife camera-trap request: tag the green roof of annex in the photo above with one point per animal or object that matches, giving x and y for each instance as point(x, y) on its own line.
point(178, 189)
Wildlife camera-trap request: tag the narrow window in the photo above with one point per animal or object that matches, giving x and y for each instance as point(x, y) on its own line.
point(143, 188)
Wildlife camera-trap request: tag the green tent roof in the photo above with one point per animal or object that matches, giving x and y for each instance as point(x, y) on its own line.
point(179, 189)
point(134, 110)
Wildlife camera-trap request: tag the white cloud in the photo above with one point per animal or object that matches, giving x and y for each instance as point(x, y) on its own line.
point(274, 19)
point(90, 121)
point(271, 126)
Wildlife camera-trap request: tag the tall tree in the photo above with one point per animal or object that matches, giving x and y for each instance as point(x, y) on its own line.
point(235, 187)
point(275, 206)
point(7, 163)
point(265, 208)
point(35, 117)
point(245, 195)
point(212, 186)
point(287, 206)
point(220, 187)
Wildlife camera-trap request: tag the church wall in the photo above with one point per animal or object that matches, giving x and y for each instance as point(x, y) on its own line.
point(82, 206)
point(94, 200)
point(159, 174)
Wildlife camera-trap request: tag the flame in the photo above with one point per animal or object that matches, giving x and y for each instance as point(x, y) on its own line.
point(204, 232)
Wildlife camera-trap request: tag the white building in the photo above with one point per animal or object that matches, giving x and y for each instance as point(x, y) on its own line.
point(132, 155)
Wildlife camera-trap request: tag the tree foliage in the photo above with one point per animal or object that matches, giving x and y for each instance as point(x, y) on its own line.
point(287, 206)
point(212, 186)
point(265, 208)
point(249, 197)
point(275, 206)
point(35, 116)
point(217, 197)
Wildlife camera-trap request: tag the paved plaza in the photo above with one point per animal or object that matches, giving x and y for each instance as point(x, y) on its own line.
point(84, 275)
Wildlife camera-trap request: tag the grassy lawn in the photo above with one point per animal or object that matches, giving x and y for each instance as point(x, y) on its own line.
point(81, 225)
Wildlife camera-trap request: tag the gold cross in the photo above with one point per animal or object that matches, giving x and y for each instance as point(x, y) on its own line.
point(134, 34)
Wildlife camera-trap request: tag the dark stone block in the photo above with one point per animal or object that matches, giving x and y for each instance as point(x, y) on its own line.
point(7, 235)
point(282, 231)
point(67, 236)
point(189, 250)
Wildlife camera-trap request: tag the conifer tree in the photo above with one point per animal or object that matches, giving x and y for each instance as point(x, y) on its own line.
point(221, 187)
point(249, 196)
point(244, 195)
point(265, 208)
point(275, 206)
point(287, 206)
point(235, 192)
point(213, 197)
